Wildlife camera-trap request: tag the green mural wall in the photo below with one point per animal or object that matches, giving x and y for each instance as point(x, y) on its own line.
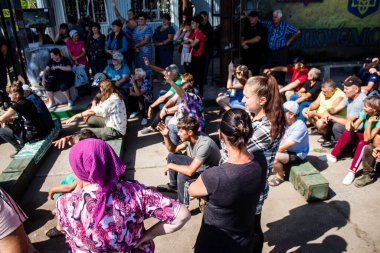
point(331, 29)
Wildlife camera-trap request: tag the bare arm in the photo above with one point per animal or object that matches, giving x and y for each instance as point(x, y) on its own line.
point(290, 86)
point(188, 170)
point(293, 38)
point(286, 145)
point(117, 13)
point(178, 89)
point(161, 228)
point(198, 189)
point(169, 145)
point(154, 67)
point(7, 115)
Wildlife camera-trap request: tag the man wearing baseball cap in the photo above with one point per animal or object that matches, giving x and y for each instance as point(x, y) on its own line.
point(354, 103)
point(294, 145)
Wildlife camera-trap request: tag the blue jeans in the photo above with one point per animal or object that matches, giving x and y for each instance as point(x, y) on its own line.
point(302, 106)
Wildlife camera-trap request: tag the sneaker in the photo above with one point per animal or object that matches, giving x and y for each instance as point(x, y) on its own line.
point(349, 178)
point(133, 115)
point(70, 103)
point(166, 188)
point(363, 180)
point(51, 106)
point(327, 158)
point(147, 130)
point(144, 121)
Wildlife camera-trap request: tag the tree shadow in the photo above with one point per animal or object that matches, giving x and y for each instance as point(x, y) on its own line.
point(306, 223)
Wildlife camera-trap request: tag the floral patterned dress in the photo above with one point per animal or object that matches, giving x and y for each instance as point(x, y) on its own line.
point(123, 223)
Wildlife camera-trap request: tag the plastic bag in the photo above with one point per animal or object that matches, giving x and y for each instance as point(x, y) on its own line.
point(81, 77)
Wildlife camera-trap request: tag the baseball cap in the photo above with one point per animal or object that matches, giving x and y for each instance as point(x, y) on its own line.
point(98, 78)
point(253, 14)
point(368, 60)
point(352, 80)
point(26, 87)
point(118, 57)
point(291, 106)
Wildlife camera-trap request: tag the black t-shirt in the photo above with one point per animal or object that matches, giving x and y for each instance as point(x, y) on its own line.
point(208, 32)
point(314, 91)
point(234, 191)
point(60, 74)
point(250, 32)
point(28, 115)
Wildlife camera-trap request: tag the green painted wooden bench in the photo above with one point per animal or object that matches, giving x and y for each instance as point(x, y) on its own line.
point(309, 182)
point(118, 146)
point(18, 174)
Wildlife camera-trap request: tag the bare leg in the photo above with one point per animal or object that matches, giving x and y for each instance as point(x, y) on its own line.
point(224, 102)
point(67, 95)
point(279, 161)
point(51, 97)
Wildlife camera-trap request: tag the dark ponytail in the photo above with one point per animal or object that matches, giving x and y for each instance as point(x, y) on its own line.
point(236, 126)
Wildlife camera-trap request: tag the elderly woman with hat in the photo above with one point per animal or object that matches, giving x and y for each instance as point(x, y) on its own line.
point(106, 214)
point(76, 48)
point(118, 72)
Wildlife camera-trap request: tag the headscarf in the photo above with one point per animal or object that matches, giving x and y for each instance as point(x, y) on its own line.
point(94, 161)
point(72, 33)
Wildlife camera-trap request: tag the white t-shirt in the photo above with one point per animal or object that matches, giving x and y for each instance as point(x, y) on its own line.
point(114, 112)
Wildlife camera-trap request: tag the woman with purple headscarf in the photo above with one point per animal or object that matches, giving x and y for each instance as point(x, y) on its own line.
point(107, 214)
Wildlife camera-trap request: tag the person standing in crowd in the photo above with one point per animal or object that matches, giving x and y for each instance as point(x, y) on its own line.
point(129, 25)
point(43, 112)
point(330, 97)
point(76, 49)
point(298, 73)
point(278, 44)
point(202, 153)
point(142, 39)
point(253, 42)
point(294, 146)
point(232, 189)
point(95, 49)
point(196, 41)
point(73, 25)
point(208, 50)
point(354, 104)
point(183, 34)
point(237, 78)
point(163, 40)
point(309, 92)
point(371, 126)
point(112, 211)
point(116, 41)
point(262, 99)
point(58, 75)
point(13, 237)
point(63, 34)
point(27, 126)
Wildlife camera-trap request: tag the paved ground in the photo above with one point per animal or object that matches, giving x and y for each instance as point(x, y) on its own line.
point(347, 222)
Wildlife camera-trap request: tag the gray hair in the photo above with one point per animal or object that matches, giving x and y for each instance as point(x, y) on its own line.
point(315, 73)
point(277, 13)
point(141, 72)
point(173, 68)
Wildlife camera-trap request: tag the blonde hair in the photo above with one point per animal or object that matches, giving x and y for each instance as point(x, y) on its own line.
point(141, 72)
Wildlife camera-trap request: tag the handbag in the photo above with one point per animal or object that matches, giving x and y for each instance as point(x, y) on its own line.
point(188, 57)
point(81, 77)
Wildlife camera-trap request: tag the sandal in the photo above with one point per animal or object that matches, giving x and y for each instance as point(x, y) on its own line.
point(321, 139)
point(275, 181)
point(54, 232)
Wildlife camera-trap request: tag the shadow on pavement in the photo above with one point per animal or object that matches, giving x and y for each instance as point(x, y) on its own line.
point(308, 223)
point(318, 164)
point(54, 245)
point(331, 244)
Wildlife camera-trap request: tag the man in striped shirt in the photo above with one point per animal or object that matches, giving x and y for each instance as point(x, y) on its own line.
point(278, 33)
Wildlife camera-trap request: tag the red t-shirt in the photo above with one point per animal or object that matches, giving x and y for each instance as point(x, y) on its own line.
point(298, 75)
point(198, 49)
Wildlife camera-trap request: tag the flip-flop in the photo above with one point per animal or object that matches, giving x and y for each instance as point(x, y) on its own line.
point(275, 181)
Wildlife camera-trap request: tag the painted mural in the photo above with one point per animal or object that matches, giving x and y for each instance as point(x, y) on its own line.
point(331, 29)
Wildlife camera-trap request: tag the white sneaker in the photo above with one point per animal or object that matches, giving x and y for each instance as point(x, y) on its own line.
point(133, 115)
point(144, 121)
point(51, 106)
point(147, 130)
point(327, 158)
point(349, 178)
point(70, 103)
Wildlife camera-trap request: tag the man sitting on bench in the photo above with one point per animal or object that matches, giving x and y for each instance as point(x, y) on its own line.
point(294, 145)
point(23, 115)
point(202, 152)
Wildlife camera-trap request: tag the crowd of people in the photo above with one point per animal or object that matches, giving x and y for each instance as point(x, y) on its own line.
point(263, 129)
